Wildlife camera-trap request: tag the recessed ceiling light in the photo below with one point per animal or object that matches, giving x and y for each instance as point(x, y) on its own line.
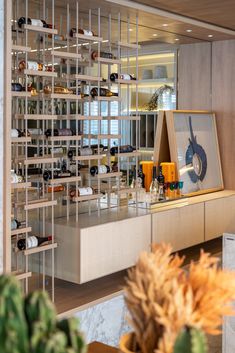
point(155, 34)
point(210, 35)
point(189, 30)
point(130, 29)
point(165, 25)
point(177, 39)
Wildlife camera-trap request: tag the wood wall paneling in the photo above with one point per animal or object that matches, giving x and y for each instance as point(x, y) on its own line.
point(223, 103)
point(194, 77)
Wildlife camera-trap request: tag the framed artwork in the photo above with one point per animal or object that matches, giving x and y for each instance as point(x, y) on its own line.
point(194, 148)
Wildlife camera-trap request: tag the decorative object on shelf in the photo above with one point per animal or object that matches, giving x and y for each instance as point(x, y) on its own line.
point(32, 242)
point(122, 149)
point(57, 90)
point(153, 104)
point(147, 170)
point(15, 224)
point(33, 22)
point(171, 310)
point(114, 76)
point(60, 132)
point(31, 65)
point(168, 170)
point(56, 174)
point(194, 147)
point(101, 169)
point(30, 323)
point(160, 72)
point(81, 191)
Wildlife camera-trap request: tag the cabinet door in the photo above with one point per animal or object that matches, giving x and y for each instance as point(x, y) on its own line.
point(182, 227)
point(112, 247)
point(219, 217)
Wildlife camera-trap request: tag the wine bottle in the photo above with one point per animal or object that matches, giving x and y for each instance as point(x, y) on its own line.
point(103, 54)
point(141, 175)
point(16, 133)
point(16, 87)
point(85, 151)
point(86, 32)
point(15, 178)
point(32, 242)
point(154, 184)
point(122, 149)
point(95, 146)
point(60, 132)
point(57, 173)
point(161, 182)
point(55, 188)
point(31, 21)
point(102, 169)
point(15, 224)
point(114, 77)
point(103, 92)
point(31, 65)
point(81, 191)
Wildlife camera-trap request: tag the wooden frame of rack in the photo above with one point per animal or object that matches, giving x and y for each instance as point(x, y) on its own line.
point(49, 111)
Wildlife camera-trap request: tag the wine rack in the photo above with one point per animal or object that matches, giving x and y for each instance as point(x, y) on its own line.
point(67, 63)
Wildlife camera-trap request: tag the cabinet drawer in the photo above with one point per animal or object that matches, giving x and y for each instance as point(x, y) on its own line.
point(219, 217)
point(181, 227)
point(112, 247)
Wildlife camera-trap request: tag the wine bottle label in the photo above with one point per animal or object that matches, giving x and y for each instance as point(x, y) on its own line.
point(85, 191)
point(65, 132)
point(14, 133)
point(125, 77)
point(14, 177)
point(32, 242)
point(87, 32)
point(37, 23)
point(102, 169)
point(35, 131)
point(85, 151)
point(58, 150)
point(13, 224)
point(32, 65)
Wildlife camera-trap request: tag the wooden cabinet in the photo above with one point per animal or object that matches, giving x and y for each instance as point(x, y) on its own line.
point(219, 217)
point(181, 226)
point(112, 247)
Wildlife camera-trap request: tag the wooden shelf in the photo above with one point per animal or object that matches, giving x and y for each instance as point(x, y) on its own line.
point(64, 180)
point(40, 73)
point(87, 198)
point(67, 55)
point(121, 117)
point(102, 136)
point(39, 249)
point(40, 29)
point(127, 82)
point(126, 191)
point(22, 275)
point(39, 204)
point(20, 139)
point(108, 61)
point(40, 160)
point(22, 48)
point(79, 117)
point(128, 154)
point(108, 175)
point(129, 45)
point(93, 157)
point(108, 99)
point(21, 94)
point(22, 203)
point(21, 231)
point(87, 78)
point(15, 186)
point(87, 38)
point(35, 117)
point(63, 96)
point(65, 138)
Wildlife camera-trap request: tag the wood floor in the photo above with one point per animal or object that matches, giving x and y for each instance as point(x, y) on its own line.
point(71, 298)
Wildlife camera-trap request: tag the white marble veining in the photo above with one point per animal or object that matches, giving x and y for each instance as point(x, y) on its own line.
point(105, 322)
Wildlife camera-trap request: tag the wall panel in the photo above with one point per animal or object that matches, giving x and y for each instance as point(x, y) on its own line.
point(194, 76)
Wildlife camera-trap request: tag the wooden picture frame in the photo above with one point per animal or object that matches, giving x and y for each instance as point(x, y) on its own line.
point(194, 148)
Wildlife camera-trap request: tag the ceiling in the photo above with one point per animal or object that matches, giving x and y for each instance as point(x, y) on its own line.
point(153, 27)
point(218, 12)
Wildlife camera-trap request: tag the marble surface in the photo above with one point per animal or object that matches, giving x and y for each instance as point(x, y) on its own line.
point(105, 322)
point(1, 128)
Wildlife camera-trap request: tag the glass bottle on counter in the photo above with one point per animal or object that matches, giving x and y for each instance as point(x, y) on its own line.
point(161, 183)
point(154, 184)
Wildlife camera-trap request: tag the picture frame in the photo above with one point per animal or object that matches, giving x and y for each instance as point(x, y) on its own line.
point(194, 148)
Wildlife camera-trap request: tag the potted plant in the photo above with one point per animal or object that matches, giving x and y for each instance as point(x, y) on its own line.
point(171, 309)
point(29, 325)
